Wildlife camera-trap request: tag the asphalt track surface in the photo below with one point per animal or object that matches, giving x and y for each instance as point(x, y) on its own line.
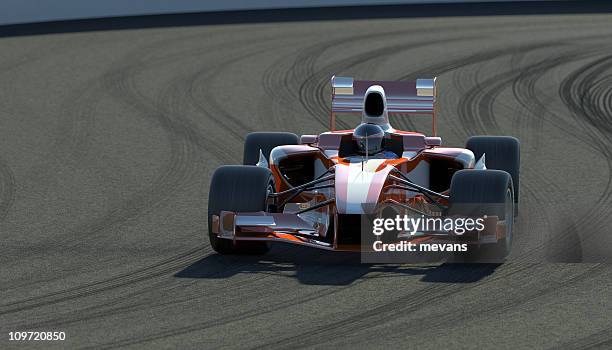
point(108, 140)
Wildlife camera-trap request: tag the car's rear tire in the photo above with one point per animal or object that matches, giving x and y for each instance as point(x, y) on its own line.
point(238, 188)
point(265, 141)
point(501, 153)
point(475, 193)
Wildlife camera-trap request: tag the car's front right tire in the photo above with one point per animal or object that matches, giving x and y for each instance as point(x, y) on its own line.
point(476, 193)
point(501, 153)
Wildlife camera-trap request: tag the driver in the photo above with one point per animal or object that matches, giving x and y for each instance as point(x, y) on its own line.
point(370, 140)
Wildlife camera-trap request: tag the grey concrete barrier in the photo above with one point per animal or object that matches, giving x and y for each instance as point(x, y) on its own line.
point(29, 11)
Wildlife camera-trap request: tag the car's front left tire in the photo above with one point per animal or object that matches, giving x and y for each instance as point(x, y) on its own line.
point(238, 188)
point(264, 142)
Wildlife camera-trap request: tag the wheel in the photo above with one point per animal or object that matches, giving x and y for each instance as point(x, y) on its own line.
point(238, 188)
point(475, 193)
point(501, 153)
point(265, 141)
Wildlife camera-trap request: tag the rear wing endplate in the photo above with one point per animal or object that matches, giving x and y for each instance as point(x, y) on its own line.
point(410, 96)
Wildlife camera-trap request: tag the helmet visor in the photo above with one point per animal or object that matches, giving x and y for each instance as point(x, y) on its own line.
point(369, 138)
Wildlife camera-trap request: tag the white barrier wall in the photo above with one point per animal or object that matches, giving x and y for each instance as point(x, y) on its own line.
point(26, 11)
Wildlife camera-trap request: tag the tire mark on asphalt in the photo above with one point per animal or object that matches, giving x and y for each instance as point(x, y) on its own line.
point(257, 311)
point(7, 189)
point(146, 273)
point(599, 340)
point(398, 305)
point(588, 95)
point(376, 320)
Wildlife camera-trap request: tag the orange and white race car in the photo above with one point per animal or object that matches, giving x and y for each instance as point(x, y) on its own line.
point(314, 190)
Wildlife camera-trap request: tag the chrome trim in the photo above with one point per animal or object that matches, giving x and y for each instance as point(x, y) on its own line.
point(433, 141)
point(409, 154)
point(330, 153)
point(263, 163)
point(342, 85)
point(308, 139)
point(481, 163)
point(227, 227)
point(467, 158)
point(352, 104)
point(426, 87)
point(305, 242)
point(254, 220)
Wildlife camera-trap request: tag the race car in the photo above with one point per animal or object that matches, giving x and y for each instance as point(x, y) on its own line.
point(313, 190)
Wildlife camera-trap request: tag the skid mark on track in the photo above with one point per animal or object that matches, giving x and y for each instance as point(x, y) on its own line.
point(161, 268)
point(7, 189)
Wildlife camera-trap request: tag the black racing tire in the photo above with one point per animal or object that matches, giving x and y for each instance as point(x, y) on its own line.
point(501, 153)
point(238, 188)
point(265, 141)
point(475, 193)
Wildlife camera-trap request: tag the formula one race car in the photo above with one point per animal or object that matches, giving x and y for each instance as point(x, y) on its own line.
point(312, 190)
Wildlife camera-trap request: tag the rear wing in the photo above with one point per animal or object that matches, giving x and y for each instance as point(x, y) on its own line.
point(411, 96)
